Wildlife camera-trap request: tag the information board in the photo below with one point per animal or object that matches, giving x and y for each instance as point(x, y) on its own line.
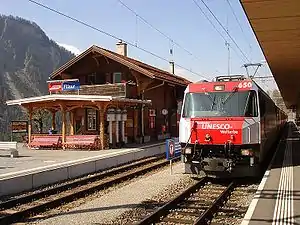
point(19, 126)
point(173, 148)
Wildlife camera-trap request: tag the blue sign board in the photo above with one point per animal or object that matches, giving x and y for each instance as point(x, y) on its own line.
point(173, 148)
point(70, 86)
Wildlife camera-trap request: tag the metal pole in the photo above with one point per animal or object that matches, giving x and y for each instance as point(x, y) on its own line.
point(110, 132)
point(228, 60)
point(228, 49)
point(171, 169)
point(117, 131)
point(142, 118)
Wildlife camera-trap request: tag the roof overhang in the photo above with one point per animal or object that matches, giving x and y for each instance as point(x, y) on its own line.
point(74, 98)
point(134, 65)
point(276, 24)
point(96, 49)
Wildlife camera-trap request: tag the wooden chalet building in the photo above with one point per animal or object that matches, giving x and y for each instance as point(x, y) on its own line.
point(110, 98)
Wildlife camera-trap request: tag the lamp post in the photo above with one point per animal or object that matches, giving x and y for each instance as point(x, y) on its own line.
point(110, 118)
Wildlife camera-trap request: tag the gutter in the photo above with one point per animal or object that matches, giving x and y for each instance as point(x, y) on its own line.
point(157, 86)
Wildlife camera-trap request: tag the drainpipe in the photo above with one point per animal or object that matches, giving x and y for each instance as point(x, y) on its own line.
point(142, 116)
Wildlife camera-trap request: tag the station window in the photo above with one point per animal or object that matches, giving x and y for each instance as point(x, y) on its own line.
point(117, 77)
point(91, 79)
point(91, 119)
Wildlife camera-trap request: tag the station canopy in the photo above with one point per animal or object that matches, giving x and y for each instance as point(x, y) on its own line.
point(276, 24)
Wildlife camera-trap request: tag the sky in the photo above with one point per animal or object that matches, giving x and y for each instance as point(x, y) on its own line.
point(181, 21)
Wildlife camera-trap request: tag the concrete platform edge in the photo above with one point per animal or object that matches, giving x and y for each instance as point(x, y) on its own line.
point(253, 204)
point(16, 182)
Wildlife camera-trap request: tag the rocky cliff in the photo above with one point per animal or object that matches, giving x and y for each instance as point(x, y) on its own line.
point(27, 57)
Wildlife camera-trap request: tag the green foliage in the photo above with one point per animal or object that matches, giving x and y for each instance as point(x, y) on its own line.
point(41, 121)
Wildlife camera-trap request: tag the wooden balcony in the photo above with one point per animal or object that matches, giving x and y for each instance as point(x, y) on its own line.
point(115, 90)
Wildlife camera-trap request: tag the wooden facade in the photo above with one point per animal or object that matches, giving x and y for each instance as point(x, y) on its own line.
point(127, 84)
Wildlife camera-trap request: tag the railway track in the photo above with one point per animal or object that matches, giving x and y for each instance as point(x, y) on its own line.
point(31, 204)
point(196, 205)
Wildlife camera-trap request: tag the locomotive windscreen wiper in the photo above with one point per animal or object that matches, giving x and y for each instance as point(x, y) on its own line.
point(230, 95)
point(211, 99)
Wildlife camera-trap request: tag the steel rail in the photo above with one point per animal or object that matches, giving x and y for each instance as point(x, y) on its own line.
point(204, 218)
point(207, 216)
point(85, 187)
point(163, 210)
point(65, 186)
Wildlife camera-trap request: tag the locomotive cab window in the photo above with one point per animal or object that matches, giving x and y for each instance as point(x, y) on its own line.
point(220, 104)
point(251, 107)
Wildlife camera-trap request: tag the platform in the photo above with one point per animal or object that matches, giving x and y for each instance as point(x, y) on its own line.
point(277, 200)
point(35, 168)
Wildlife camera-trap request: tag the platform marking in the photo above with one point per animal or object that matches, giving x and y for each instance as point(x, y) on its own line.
point(284, 206)
point(256, 197)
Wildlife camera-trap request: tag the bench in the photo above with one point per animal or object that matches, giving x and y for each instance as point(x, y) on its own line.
point(82, 141)
point(10, 147)
point(46, 141)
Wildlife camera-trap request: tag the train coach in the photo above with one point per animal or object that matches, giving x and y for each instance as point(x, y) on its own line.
point(228, 127)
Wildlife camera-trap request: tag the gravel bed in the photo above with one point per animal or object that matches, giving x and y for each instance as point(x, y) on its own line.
point(79, 202)
point(109, 206)
point(148, 206)
point(44, 188)
point(233, 212)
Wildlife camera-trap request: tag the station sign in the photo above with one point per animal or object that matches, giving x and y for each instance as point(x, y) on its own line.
point(173, 148)
point(55, 86)
point(70, 86)
point(19, 126)
point(64, 85)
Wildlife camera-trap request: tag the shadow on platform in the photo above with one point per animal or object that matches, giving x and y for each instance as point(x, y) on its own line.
point(288, 140)
point(82, 211)
point(272, 194)
point(20, 156)
point(278, 221)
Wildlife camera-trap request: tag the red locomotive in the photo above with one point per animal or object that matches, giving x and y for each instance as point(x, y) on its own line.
point(227, 127)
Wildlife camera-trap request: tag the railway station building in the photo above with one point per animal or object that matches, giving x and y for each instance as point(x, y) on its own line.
point(106, 100)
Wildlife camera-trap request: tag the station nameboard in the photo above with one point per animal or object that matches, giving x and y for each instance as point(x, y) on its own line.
point(19, 126)
point(63, 85)
point(71, 86)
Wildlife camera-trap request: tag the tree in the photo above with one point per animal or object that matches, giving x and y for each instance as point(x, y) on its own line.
point(41, 117)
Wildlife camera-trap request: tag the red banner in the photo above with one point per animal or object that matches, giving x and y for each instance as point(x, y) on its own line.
point(55, 86)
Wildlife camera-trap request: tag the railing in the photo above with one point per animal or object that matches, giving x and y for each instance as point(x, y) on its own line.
point(115, 90)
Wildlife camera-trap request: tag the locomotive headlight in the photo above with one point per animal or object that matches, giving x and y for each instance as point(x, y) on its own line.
point(188, 151)
point(247, 152)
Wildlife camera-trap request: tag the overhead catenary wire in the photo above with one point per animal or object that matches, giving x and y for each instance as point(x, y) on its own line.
point(228, 34)
point(212, 13)
point(213, 25)
point(112, 36)
point(159, 31)
point(238, 22)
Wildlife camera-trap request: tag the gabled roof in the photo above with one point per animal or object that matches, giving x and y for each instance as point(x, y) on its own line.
point(143, 68)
